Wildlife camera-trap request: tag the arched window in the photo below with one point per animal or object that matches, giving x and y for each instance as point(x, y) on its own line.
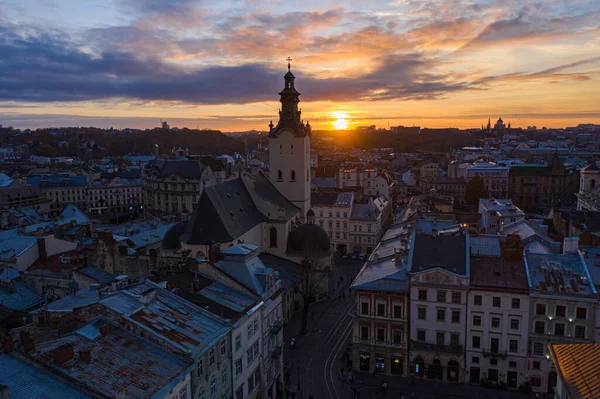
point(592, 184)
point(307, 174)
point(273, 237)
point(279, 175)
point(293, 177)
point(281, 148)
point(291, 148)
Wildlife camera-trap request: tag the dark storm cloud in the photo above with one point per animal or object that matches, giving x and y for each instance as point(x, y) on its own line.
point(44, 67)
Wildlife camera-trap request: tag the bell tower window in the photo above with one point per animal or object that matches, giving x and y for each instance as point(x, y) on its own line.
point(279, 175)
point(293, 175)
point(273, 237)
point(280, 148)
point(291, 148)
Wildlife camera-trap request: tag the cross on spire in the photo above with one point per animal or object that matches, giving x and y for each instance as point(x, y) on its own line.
point(288, 59)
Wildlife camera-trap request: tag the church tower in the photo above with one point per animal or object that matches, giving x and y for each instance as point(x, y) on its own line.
point(289, 149)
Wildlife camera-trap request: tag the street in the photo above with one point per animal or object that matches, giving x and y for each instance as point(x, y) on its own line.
point(315, 364)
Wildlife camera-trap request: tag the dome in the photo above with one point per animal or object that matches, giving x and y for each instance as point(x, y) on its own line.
point(307, 240)
point(310, 213)
point(171, 240)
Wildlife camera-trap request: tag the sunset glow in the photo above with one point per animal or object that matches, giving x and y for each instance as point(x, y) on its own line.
point(220, 64)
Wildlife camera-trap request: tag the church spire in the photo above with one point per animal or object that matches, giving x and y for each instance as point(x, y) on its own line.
point(290, 115)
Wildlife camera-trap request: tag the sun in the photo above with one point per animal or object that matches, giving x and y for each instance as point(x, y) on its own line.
point(340, 124)
point(341, 120)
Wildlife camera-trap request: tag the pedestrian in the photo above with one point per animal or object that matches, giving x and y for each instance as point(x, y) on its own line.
point(384, 387)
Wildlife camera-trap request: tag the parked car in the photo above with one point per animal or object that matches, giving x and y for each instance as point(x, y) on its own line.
point(361, 257)
point(354, 256)
point(345, 256)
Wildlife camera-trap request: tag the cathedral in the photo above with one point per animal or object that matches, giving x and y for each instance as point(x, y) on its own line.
point(272, 212)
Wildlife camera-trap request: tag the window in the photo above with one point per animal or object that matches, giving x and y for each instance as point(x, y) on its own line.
point(380, 334)
point(255, 326)
point(291, 148)
point(561, 311)
point(454, 339)
point(330, 214)
point(238, 342)
point(580, 332)
point(440, 337)
point(536, 365)
point(476, 342)
point(581, 313)
point(250, 356)
point(513, 345)
point(538, 349)
point(441, 314)
point(514, 324)
point(397, 312)
point(456, 316)
point(239, 394)
point(200, 369)
point(441, 296)
point(493, 374)
point(320, 214)
point(211, 357)
point(381, 309)
point(213, 387)
point(540, 327)
point(456, 297)
point(422, 295)
point(422, 313)
point(477, 300)
point(250, 331)
point(201, 394)
point(495, 322)
point(250, 383)
point(364, 332)
point(512, 364)
point(364, 308)
point(238, 367)
point(279, 175)
point(476, 320)
point(559, 329)
point(496, 302)
point(535, 381)
point(540, 309)
point(397, 336)
point(224, 376)
point(273, 237)
point(421, 335)
point(223, 347)
point(337, 214)
point(475, 359)
point(293, 175)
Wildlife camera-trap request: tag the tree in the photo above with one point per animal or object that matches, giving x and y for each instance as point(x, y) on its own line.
point(314, 272)
point(475, 190)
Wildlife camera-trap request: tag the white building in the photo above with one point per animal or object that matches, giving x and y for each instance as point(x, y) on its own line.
point(495, 213)
point(116, 195)
point(498, 313)
point(372, 182)
point(332, 213)
point(588, 197)
point(438, 289)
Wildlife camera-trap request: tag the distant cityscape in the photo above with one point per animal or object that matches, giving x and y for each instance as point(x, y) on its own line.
point(177, 263)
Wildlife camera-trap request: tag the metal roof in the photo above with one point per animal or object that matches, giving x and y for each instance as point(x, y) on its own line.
point(578, 366)
point(100, 276)
point(445, 252)
point(386, 275)
point(28, 382)
point(485, 245)
point(22, 297)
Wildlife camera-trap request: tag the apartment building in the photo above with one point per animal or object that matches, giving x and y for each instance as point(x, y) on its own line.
point(61, 190)
point(174, 186)
point(439, 273)
point(373, 182)
point(115, 195)
point(332, 213)
point(498, 313)
point(563, 301)
point(452, 186)
point(496, 213)
point(366, 226)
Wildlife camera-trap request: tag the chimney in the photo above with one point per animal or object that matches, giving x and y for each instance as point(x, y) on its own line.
point(85, 355)
point(570, 244)
point(512, 248)
point(41, 242)
point(63, 354)
point(105, 329)
point(27, 343)
point(543, 229)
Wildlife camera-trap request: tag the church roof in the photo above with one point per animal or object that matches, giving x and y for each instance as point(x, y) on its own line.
point(266, 190)
point(225, 211)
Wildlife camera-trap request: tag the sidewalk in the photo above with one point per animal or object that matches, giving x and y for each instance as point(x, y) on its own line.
point(428, 388)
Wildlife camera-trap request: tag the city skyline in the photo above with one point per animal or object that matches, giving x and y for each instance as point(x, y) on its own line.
point(219, 65)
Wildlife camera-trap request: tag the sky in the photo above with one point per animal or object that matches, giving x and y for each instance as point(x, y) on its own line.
point(220, 63)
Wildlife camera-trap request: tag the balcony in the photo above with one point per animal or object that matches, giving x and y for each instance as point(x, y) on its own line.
point(453, 349)
point(387, 316)
point(276, 327)
point(388, 344)
point(276, 353)
point(494, 353)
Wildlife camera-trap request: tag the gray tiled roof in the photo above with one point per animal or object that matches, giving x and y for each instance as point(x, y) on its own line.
point(186, 168)
point(445, 252)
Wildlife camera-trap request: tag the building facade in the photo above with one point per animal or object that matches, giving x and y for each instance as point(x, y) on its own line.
point(115, 196)
point(61, 190)
point(496, 213)
point(332, 213)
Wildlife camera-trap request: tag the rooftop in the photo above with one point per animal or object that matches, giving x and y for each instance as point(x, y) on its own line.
point(366, 211)
point(577, 365)
point(485, 245)
point(385, 275)
point(119, 362)
point(448, 252)
point(563, 274)
point(25, 381)
point(18, 296)
point(499, 274)
point(98, 275)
